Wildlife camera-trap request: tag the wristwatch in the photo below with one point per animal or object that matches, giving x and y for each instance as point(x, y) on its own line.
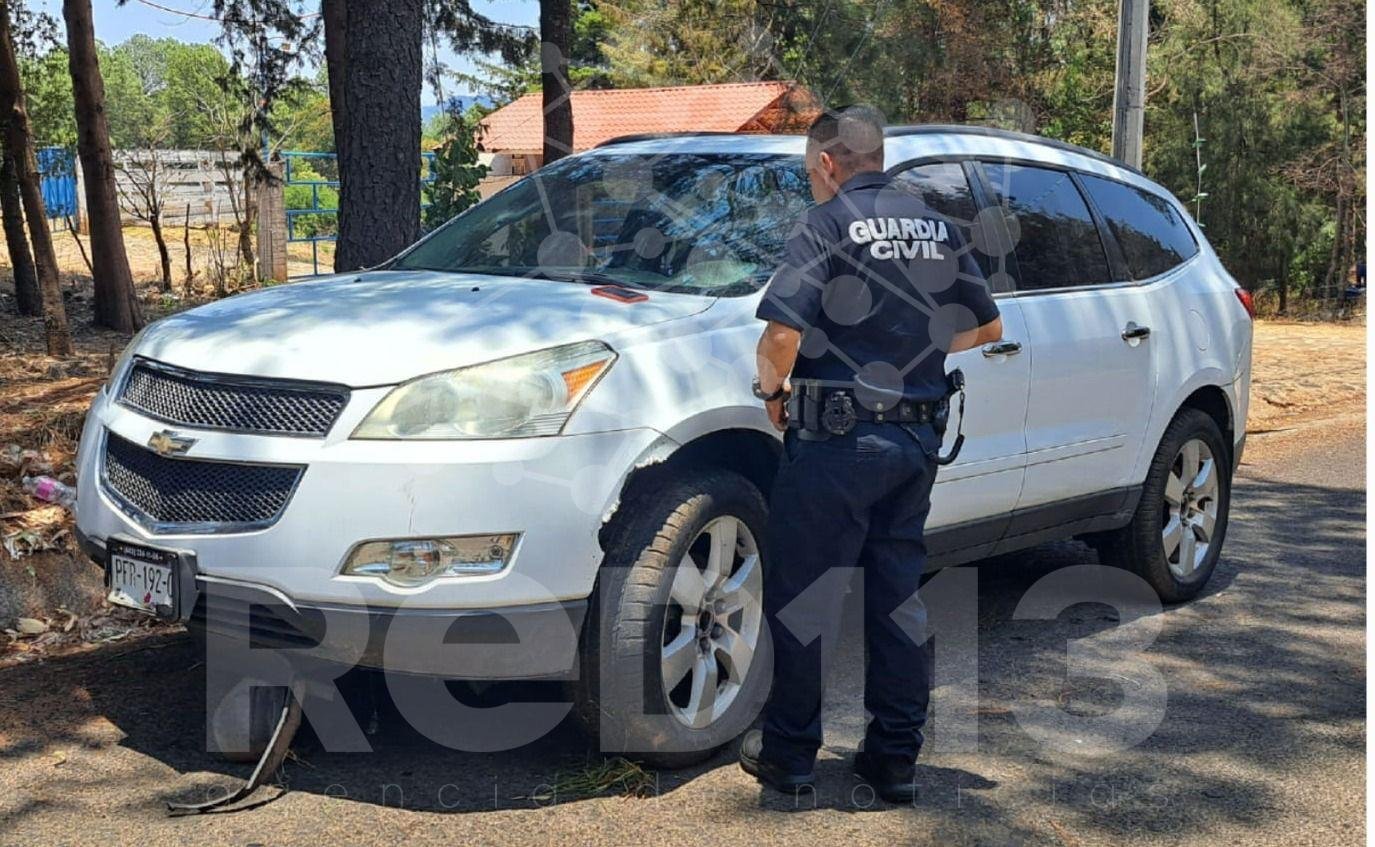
point(759, 391)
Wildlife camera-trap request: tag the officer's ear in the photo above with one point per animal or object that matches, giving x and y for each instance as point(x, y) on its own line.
point(827, 163)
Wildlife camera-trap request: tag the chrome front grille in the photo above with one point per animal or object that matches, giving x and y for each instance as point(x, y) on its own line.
point(187, 495)
point(235, 403)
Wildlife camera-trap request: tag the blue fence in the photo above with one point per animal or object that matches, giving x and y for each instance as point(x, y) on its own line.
point(312, 198)
point(57, 168)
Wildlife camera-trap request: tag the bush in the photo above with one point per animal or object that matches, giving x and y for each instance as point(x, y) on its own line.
point(303, 197)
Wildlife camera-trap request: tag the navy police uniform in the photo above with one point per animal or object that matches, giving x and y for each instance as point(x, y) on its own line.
point(878, 284)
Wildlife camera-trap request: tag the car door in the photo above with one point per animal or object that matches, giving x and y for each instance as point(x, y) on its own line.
point(982, 486)
point(1092, 368)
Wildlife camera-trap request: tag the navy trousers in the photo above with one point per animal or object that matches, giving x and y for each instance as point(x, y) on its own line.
point(858, 500)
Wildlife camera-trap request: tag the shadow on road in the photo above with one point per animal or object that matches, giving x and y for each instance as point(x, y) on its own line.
point(1264, 671)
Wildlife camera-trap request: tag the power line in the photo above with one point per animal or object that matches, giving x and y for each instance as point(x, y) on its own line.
point(204, 17)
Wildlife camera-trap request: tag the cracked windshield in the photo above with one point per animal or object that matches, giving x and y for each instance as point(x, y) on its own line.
point(687, 223)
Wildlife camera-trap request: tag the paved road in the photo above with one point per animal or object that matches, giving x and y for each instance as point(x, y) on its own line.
point(1260, 739)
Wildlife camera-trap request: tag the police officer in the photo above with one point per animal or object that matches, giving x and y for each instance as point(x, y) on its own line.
point(873, 292)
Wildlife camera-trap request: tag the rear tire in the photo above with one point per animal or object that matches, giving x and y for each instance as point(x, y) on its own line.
point(652, 618)
point(1176, 534)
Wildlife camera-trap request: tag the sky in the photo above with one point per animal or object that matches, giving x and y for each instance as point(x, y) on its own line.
point(115, 24)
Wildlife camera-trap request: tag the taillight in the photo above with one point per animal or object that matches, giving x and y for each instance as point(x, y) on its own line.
point(1247, 301)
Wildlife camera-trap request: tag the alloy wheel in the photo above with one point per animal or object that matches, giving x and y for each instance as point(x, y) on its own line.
point(1189, 522)
point(713, 622)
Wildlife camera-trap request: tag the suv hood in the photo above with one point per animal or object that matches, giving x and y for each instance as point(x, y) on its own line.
point(384, 327)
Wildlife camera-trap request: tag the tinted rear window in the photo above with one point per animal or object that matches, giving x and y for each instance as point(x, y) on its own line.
point(1152, 233)
point(1057, 243)
point(944, 188)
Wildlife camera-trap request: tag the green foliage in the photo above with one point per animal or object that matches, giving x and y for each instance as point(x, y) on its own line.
point(1268, 82)
point(696, 41)
point(170, 94)
point(134, 109)
point(456, 175)
point(503, 83)
point(48, 93)
point(1278, 87)
point(305, 196)
point(588, 63)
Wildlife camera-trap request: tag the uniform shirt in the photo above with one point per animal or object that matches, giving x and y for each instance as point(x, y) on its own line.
point(878, 284)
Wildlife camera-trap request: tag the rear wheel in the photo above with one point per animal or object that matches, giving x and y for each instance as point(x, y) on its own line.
point(1176, 535)
point(674, 661)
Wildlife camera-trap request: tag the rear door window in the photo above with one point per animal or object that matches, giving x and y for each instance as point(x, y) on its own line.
point(1152, 233)
point(945, 189)
point(1056, 240)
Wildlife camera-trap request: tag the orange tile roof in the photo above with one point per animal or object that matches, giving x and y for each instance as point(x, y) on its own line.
point(602, 114)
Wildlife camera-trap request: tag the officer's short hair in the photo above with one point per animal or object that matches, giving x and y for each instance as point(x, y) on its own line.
point(853, 135)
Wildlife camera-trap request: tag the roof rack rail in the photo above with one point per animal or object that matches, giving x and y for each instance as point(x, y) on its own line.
point(917, 129)
point(655, 136)
point(993, 132)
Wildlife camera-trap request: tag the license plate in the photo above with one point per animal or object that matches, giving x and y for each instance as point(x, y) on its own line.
point(144, 578)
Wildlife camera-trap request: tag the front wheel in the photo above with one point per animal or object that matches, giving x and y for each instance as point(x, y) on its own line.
point(674, 658)
point(1176, 535)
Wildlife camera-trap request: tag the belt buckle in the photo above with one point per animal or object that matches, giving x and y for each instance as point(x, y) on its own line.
point(838, 416)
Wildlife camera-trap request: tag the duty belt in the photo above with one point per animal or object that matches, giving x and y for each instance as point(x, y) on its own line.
point(821, 411)
point(816, 408)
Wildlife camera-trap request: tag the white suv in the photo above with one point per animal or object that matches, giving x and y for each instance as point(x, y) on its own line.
point(539, 419)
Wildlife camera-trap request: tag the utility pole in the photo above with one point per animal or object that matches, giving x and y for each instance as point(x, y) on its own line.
point(1129, 95)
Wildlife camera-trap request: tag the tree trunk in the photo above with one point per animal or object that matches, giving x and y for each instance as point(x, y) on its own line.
point(186, 246)
point(1329, 282)
point(116, 305)
point(1284, 291)
point(19, 141)
point(250, 216)
point(379, 171)
point(335, 15)
point(555, 25)
point(27, 295)
point(155, 221)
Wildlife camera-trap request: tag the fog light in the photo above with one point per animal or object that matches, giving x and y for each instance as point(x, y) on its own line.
point(416, 561)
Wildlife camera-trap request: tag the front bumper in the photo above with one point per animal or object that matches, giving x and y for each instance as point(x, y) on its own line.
point(536, 641)
point(555, 492)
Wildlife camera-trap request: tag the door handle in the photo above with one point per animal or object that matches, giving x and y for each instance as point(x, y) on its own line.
point(1002, 348)
point(1133, 330)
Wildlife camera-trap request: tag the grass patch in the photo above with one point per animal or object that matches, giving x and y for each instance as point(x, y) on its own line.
point(614, 777)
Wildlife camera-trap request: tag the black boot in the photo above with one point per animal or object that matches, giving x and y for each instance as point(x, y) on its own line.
point(767, 772)
point(892, 780)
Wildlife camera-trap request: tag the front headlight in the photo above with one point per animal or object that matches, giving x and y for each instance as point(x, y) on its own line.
point(530, 394)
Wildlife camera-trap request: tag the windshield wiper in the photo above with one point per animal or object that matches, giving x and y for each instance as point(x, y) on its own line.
point(586, 277)
point(581, 277)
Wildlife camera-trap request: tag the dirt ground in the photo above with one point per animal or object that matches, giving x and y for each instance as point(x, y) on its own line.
point(1304, 372)
point(50, 597)
point(1235, 719)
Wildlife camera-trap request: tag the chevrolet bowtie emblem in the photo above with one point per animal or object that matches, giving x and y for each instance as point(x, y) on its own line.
point(165, 442)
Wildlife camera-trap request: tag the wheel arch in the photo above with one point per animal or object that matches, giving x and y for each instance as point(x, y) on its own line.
point(1214, 402)
point(1209, 392)
point(749, 452)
